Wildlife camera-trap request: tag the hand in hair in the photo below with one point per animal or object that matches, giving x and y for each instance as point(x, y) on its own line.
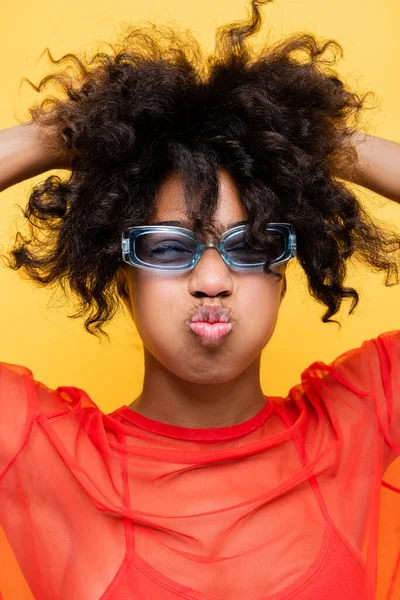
point(278, 121)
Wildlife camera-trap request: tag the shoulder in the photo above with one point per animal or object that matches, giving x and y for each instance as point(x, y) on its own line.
point(20, 391)
point(24, 400)
point(356, 367)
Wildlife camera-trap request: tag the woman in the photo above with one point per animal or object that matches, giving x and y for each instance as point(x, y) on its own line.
point(192, 185)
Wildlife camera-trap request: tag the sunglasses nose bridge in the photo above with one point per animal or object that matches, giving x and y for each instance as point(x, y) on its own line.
point(210, 245)
point(203, 247)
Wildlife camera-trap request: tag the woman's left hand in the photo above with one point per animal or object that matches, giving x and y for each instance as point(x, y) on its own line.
point(378, 165)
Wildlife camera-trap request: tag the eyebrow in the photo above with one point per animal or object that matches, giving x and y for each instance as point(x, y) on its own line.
point(186, 224)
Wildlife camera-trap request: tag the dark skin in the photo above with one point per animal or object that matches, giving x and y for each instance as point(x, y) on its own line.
point(187, 382)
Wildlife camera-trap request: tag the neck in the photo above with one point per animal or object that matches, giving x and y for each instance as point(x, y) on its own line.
point(168, 399)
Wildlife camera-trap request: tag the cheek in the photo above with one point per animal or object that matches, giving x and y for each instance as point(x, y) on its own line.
point(157, 306)
point(258, 305)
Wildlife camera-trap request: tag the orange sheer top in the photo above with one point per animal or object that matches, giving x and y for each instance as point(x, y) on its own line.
point(286, 505)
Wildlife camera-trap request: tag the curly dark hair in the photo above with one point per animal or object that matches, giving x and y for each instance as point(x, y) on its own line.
point(279, 121)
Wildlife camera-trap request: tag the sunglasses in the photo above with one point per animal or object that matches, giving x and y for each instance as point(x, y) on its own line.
point(166, 248)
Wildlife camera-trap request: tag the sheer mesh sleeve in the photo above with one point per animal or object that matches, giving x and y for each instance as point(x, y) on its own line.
point(363, 391)
point(18, 408)
point(373, 370)
point(388, 351)
point(51, 477)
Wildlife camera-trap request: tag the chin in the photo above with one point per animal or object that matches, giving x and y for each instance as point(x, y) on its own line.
point(206, 376)
point(204, 380)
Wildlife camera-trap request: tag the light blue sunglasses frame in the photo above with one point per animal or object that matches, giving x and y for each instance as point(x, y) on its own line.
point(129, 236)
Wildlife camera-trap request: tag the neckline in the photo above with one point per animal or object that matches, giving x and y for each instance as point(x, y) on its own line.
point(226, 432)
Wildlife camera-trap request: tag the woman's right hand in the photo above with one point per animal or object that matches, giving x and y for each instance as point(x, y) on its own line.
point(28, 150)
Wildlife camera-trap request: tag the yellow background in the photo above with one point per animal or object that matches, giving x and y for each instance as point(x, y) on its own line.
point(35, 330)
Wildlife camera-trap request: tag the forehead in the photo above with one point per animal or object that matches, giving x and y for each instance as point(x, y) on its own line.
point(171, 205)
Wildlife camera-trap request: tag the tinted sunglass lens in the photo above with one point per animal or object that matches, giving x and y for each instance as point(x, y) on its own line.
point(241, 252)
point(162, 248)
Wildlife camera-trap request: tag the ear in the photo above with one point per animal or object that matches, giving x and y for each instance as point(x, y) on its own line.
point(283, 293)
point(123, 289)
point(122, 284)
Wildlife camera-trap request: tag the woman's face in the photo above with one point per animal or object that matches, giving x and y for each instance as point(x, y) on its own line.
point(161, 304)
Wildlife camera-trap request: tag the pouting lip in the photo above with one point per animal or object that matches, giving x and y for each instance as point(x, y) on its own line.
point(210, 313)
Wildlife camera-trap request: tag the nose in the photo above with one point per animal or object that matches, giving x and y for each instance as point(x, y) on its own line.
point(211, 277)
